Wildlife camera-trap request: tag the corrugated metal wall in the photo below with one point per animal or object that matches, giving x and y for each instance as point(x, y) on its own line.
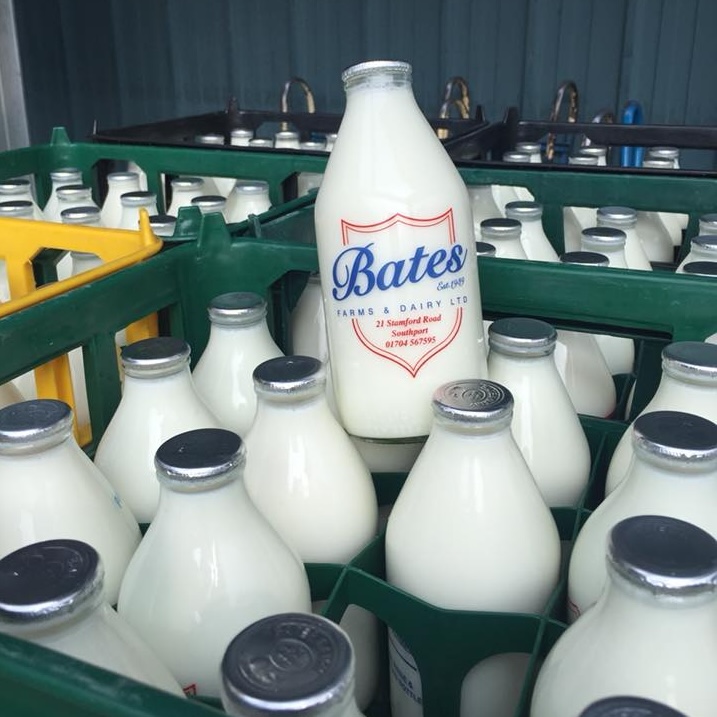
point(127, 61)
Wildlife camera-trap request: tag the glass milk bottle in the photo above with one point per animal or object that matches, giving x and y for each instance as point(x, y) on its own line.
point(320, 685)
point(629, 707)
point(308, 480)
point(163, 225)
point(118, 183)
point(483, 206)
point(19, 190)
point(506, 193)
point(545, 422)
point(210, 564)
point(60, 178)
point(444, 528)
point(708, 224)
point(210, 203)
point(702, 248)
point(132, 202)
point(240, 137)
point(580, 362)
point(532, 149)
point(69, 197)
point(184, 190)
point(625, 219)
point(261, 143)
point(286, 139)
point(132, 166)
point(51, 594)
point(394, 230)
point(504, 234)
point(50, 489)
point(158, 401)
point(595, 150)
point(239, 340)
point(536, 244)
point(652, 632)
point(248, 197)
point(307, 181)
point(575, 219)
point(688, 383)
point(674, 222)
point(673, 472)
point(330, 141)
point(16, 209)
point(215, 185)
point(654, 237)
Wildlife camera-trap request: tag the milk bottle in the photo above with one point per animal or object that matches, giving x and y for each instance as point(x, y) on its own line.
point(132, 166)
point(504, 234)
point(210, 203)
point(654, 237)
point(240, 137)
point(247, 197)
point(702, 248)
point(68, 197)
point(505, 193)
point(60, 178)
point(158, 401)
point(239, 340)
point(575, 219)
point(16, 209)
point(331, 141)
point(580, 362)
point(688, 383)
point(51, 594)
point(261, 143)
point(286, 139)
point(307, 181)
point(321, 685)
point(536, 244)
point(626, 706)
point(395, 237)
point(210, 564)
point(625, 219)
point(674, 222)
point(442, 533)
point(309, 482)
point(532, 149)
point(132, 202)
point(51, 489)
point(215, 185)
point(545, 421)
point(652, 632)
point(19, 190)
point(9, 394)
point(184, 190)
point(595, 150)
point(483, 205)
point(708, 224)
point(118, 183)
point(673, 472)
point(163, 225)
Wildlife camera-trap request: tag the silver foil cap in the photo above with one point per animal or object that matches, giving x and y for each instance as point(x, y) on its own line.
point(704, 244)
point(657, 163)
point(617, 216)
point(138, 199)
point(28, 426)
point(209, 203)
point(528, 147)
point(363, 70)
point(483, 248)
point(237, 308)
point(583, 160)
point(663, 556)
point(18, 208)
point(524, 211)
point(285, 135)
point(156, 357)
point(671, 153)
point(251, 187)
point(163, 224)
point(605, 238)
point(48, 579)
point(187, 182)
point(14, 186)
point(522, 337)
point(594, 150)
point(241, 134)
point(500, 228)
point(66, 174)
point(74, 192)
point(312, 146)
point(210, 138)
point(676, 438)
point(287, 664)
point(584, 258)
point(475, 402)
point(290, 376)
point(629, 707)
point(260, 142)
point(81, 215)
point(122, 177)
point(691, 360)
point(516, 157)
point(708, 222)
point(701, 268)
point(200, 459)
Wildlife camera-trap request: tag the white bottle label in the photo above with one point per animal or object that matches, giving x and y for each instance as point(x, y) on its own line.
point(403, 668)
point(408, 309)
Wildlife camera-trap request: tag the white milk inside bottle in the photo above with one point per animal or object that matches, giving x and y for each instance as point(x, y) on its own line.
point(321, 684)
point(162, 225)
point(483, 206)
point(50, 489)
point(15, 209)
point(654, 237)
point(395, 237)
point(688, 383)
point(505, 193)
point(702, 248)
point(673, 472)
point(308, 480)
point(536, 244)
point(51, 594)
point(184, 190)
point(575, 219)
point(210, 203)
point(132, 202)
point(118, 183)
point(545, 423)
point(625, 706)
point(248, 197)
point(240, 137)
point(652, 632)
point(158, 401)
point(60, 178)
point(210, 564)
point(215, 185)
point(19, 190)
point(443, 533)
point(239, 340)
point(504, 235)
point(307, 181)
point(625, 218)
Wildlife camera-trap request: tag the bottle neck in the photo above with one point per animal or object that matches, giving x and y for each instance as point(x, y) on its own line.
point(538, 368)
point(164, 390)
point(682, 391)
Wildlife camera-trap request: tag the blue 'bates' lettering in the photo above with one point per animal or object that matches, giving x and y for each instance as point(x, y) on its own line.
point(354, 271)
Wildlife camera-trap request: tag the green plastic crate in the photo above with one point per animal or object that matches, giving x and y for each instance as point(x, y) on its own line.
point(273, 256)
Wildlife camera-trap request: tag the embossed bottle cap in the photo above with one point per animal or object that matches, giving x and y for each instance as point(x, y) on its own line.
point(209, 203)
point(81, 215)
point(187, 183)
point(199, 459)
point(66, 174)
point(664, 556)
point(163, 224)
point(583, 160)
point(155, 357)
point(363, 70)
point(705, 245)
point(312, 146)
point(617, 217)
point(122, 177)
point(14, 186)
point(524, 211)
point(287, 664)
point(259, 142)
point(606, 239)
point(672, 153)
point(708, 224)
point(290, 376)
point(500, 228)
point(210, 138)
point(629, 707)
point(657, 163)
point(474, 402)
point(676, 438)
point(31, 425)
point(241, 135)
point(521, 336)
point(483, 248)
point(237, 308)
point(49, 579)
point(18, 208)
point(594, 150)
point(528, 147)
point(74, 192)
point(690, 360)
point(584, 258)
point(252, 187)
point(701, 268)
point(138, 199)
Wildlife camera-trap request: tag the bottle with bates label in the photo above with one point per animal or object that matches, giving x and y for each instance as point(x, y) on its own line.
point(452, 540)
point(652, 632)
point(210, 563)
point(394, 230)
point(52, 594)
